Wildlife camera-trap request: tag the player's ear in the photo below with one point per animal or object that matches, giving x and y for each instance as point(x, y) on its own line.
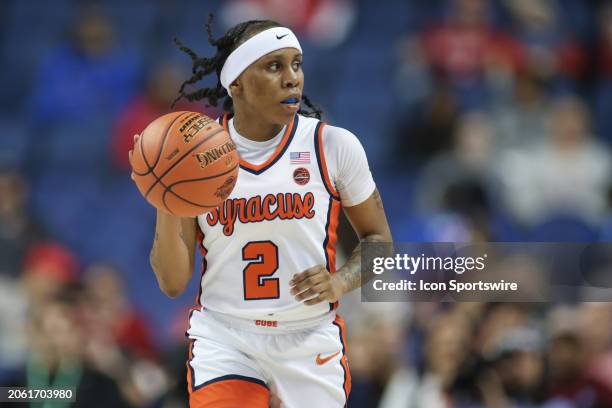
point(235, 88)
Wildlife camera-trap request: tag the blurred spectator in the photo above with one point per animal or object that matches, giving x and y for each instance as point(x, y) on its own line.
point(606, 231)
point(550, 50)
point(326, 23)
point(377, 338)
point(110, 313)
point(119, 341)
point(516, 374)
point(566, 365)
point(17, 228)
point(494, 324)
point(13, 338)
point(161, 89)
point(605, 42)
point(580, 358)
point(464, 50)
point(603, 84)
point(459, 181)
point(447, 350)
point(427, 127)
point(86, 77)
point(413, 82)
point(57, 358)
point(521, 121)
point(596, 335)
point(48, 269)
point(568, 173)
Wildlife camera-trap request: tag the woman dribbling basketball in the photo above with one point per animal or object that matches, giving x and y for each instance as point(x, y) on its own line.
point(265, 321)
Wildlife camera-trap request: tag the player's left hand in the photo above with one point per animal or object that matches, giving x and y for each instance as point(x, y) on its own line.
point(316, 285)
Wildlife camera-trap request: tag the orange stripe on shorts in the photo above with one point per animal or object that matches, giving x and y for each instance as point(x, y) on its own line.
point(230, 391)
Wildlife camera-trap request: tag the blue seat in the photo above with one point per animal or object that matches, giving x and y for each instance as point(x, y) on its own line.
point(563, 228)
point(13, 141)
point(63, 202)
point(74, 146)
point(606, 231)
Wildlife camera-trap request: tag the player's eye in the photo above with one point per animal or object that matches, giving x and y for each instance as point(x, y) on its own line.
point(274, 66)
point(297, 65)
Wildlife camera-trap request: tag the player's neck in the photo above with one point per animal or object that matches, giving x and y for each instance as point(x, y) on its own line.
point(255, 129)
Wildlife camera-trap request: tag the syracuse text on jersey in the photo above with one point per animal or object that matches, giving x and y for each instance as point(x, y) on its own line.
point(284, 206)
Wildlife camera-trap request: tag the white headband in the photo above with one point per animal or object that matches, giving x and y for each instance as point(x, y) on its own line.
point(253, 49)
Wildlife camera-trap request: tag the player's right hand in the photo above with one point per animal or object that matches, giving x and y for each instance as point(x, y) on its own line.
point(130, 155)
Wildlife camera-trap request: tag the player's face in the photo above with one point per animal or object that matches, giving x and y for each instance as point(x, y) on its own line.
point(272, 86)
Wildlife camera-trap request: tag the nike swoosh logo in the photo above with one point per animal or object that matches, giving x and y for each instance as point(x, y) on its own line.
point(321, 361)
point(282, 36)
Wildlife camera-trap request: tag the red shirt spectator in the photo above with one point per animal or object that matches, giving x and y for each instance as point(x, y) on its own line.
point(162, 89)
point(465, 45)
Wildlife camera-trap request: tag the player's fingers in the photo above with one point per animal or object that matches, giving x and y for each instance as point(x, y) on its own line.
point(299, 277)
point(309, 293)
point(309, 282)
point(132, 150)
point(305, 274)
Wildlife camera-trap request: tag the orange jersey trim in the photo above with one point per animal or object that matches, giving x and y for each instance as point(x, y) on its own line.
point(280, 149)
point(322, 163)
point(190, 374)
point(343, 361)
point(203, 252)
point(331, 237)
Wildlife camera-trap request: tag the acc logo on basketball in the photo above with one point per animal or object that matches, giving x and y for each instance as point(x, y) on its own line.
point(301, 176)
point(226, 188)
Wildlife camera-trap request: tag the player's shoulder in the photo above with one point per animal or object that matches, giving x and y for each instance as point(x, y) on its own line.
point(341, 134)
point(337, 133)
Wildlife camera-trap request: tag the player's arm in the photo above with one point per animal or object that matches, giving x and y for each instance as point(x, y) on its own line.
point(370, 224)
point(316, 284)
point(173, 254)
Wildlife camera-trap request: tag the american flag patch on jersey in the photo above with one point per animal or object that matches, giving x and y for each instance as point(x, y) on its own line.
point(299, 157)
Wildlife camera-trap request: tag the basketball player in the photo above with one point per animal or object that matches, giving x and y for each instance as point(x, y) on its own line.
point(265, 321)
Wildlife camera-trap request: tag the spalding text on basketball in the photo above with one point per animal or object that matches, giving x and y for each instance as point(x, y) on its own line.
point(210, 156)
point(285, 206)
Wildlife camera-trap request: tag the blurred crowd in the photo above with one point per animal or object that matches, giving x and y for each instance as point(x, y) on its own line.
point(483, 355)
point(508, 126)
point(483, 120)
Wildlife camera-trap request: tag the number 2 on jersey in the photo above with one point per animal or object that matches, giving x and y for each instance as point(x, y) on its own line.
point(256, 275)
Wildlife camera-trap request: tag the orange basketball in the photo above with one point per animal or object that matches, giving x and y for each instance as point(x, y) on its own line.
point(185, 163)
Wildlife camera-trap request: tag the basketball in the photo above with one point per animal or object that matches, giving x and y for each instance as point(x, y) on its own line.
point(185, 163)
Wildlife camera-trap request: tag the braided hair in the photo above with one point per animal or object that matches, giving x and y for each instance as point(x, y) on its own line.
point(203, 66)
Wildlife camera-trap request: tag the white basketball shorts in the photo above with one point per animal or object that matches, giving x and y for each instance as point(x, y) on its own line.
point(235, 363)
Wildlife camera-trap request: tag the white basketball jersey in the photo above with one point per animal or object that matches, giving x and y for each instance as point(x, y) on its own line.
point(279, 220)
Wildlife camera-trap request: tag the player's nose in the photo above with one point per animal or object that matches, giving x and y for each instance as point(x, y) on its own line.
point(291, 79)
